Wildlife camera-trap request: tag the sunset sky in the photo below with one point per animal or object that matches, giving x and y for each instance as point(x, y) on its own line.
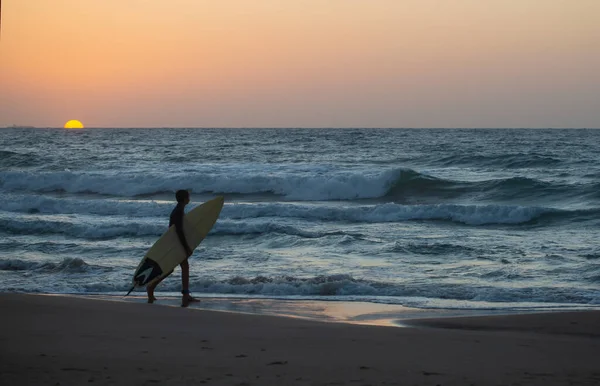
point(301, 63)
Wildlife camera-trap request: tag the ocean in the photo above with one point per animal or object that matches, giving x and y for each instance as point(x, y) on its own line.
point(488, 219)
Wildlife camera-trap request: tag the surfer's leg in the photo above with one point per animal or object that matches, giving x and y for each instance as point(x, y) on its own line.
point(150, 288)
point(150, 292)
point(185, 284)
point(185, 276)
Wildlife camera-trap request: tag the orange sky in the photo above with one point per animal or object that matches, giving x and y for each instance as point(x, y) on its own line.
point(301, 63)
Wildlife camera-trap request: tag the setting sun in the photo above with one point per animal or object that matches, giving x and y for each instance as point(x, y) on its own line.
point(73, 124)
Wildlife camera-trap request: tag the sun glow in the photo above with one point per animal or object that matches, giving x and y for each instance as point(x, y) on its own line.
point(73, 124)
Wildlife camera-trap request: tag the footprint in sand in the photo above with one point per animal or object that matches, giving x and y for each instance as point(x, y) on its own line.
point(278, 363)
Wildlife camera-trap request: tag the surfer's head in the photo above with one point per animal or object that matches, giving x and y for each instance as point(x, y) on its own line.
point(182, 196)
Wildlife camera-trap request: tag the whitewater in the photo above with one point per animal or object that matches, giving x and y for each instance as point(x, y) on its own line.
point(427, 218)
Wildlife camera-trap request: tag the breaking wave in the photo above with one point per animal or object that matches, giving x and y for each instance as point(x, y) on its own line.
point(310, 184)
point(66, 265)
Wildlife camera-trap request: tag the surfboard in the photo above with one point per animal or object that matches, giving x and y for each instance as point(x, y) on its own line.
point(167, 252)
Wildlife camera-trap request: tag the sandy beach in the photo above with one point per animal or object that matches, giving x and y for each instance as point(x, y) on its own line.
point(56, 340)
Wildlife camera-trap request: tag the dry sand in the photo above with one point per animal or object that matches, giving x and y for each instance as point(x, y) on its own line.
point(54, 340)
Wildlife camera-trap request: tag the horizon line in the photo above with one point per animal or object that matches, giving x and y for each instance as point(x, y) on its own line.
point(296, 128)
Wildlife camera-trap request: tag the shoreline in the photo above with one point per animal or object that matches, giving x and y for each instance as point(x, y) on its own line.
point(334, 311)
point(67, 340)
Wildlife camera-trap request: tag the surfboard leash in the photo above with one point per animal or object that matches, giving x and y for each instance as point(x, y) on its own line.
point(132, 288)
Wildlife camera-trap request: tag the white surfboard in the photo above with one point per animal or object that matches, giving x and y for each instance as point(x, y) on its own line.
point(167, 253)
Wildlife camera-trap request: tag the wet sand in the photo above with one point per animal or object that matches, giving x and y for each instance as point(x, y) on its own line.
point(56, 340)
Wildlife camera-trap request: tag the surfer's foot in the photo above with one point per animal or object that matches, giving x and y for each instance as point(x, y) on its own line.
point(151, 299)
point(187, 299)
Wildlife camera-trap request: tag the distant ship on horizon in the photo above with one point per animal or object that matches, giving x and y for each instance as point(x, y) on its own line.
point(20, 127)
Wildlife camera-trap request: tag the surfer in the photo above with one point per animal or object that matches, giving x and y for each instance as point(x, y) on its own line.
point(176, 218)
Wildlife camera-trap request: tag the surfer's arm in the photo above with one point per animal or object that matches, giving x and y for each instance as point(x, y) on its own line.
point(178, 223)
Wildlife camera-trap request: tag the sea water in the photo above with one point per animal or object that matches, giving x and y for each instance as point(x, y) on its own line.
point(444, 218)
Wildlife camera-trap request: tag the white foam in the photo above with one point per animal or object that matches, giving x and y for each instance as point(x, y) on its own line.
point(90, 227)
point(345, 287)
point(82, 227)
point(390, 212)
point(104, 207)
point(293, 182)
point(375, 213)
point(66, 265)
